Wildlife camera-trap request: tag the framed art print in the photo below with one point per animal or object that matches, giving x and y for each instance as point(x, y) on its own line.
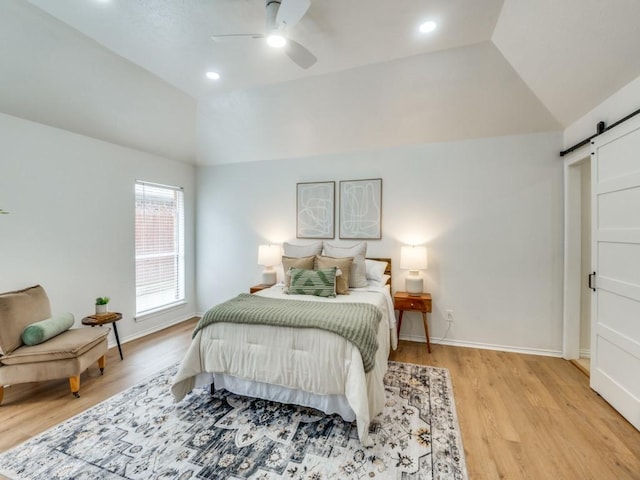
point(315, 207)
point(361, 209)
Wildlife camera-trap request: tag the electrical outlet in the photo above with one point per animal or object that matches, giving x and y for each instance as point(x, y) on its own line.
point(450, 316)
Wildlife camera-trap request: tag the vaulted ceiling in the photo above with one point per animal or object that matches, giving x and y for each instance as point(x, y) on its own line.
point(133, 73)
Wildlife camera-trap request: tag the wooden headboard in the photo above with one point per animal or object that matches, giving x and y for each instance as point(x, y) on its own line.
point(388, 269)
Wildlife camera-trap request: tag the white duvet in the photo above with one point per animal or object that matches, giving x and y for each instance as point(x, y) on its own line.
point(304, 366)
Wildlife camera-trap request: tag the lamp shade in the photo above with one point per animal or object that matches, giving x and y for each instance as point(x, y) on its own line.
point(413, 258)
point(269, 255)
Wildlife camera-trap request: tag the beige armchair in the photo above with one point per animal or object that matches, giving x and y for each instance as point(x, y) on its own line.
point(66, 355)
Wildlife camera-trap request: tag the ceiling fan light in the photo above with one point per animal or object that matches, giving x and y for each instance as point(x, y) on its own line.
point(276, 40)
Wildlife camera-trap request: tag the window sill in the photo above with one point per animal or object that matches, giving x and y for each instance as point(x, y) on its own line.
point(158, 311)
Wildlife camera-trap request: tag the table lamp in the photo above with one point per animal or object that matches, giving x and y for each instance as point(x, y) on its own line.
point(414, 259)
point(269, 256)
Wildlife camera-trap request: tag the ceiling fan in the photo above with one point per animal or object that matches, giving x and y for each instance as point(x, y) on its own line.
point(281, 15)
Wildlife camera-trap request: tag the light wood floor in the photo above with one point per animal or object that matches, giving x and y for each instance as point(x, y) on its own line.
point(583, 364)
point(531, 417)
point(521, 416)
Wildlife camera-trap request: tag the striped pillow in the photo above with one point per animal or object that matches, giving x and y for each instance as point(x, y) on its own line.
point(320, 282)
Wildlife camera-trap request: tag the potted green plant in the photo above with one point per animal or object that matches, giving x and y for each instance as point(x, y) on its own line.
point(101, 305)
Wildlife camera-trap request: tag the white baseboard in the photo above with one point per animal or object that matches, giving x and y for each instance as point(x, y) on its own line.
point(411, 338)
point(149, 331)
point(485, 346)
point(585, 353)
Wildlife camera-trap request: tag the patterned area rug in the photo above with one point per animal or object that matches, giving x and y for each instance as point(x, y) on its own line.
point(141, 434)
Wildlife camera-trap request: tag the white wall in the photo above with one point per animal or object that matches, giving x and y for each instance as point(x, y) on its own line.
point(52, 74)
point(617, 106)
point(71, 226)
point(490, 211)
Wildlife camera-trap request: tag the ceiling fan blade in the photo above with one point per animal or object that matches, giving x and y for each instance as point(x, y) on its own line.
point(233, 36)
point(300, 55)
point(292, 11)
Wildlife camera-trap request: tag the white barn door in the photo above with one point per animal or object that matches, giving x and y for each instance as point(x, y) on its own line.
point(615, 308)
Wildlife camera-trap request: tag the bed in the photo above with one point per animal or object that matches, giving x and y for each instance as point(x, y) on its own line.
point(304, 366)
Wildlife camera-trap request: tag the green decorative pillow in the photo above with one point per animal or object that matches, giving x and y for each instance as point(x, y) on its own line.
point(45, 329)
point(320, 282)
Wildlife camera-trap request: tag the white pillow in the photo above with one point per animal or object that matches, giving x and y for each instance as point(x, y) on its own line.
point(291, 250)
point(358, 274)
point(379, 283)
point(375, 269)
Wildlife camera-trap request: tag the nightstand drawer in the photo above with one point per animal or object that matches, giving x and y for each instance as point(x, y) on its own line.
point(410, 304)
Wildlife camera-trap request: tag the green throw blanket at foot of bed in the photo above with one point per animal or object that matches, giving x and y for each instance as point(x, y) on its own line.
point(356, 322)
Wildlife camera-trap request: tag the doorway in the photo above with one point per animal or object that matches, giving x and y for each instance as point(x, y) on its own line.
point(577, 301)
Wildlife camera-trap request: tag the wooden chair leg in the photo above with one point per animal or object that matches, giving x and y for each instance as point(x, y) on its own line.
point(74, 383)
point(1, 393)
point(426, 330)
point(101, 363)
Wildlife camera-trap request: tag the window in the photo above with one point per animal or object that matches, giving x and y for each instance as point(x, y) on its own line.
point(159, 247)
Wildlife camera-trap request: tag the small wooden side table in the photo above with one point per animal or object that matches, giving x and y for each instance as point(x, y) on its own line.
point(414, 303)
point(99, 320)
point(257, 288)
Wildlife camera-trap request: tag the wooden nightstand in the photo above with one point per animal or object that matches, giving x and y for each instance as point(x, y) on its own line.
point(420, 303)
point(257, 288)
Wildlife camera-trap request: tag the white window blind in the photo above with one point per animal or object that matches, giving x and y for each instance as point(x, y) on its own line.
point(159, 246)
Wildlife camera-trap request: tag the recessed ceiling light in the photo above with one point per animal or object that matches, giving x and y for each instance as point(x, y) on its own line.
point(276, 40)
point(427, 27)
point(213, 75)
